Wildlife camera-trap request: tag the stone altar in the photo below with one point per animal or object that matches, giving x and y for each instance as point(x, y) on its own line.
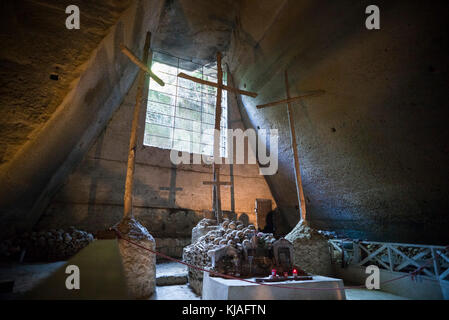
point(232, 248)
point(215, 288)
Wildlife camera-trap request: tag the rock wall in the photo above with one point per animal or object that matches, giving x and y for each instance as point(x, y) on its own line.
point(92, 196)
point(196, 29)
point(40, 58)
point(171, 246)
point(374, 148)
point(94, 75)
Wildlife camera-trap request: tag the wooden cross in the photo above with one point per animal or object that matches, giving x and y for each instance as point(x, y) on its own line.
point(216, 167)
point(216, 194)
point(127, 207)
point(141, 64)
point(288, 101)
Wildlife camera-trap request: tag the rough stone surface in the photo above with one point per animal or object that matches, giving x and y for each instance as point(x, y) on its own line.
point(38, 70)
point(311, 250)
point(195, 278)
point(171, 246)
point(374, 148)
point(60, 122)
point(176, 292)
point(26, 276)
point(171, 280)
point(196, 29)
point(43, 147)
point(139, 265)
point(170, 273)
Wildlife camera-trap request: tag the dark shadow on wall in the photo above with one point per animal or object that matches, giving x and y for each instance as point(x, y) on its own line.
point(172, 189)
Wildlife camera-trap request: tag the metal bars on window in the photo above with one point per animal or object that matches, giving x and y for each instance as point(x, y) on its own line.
point(181, 114)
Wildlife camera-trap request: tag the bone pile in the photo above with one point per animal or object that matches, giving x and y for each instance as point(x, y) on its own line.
point(232, 233)
point(49, 245)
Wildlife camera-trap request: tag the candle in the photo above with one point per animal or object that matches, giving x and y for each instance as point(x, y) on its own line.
point(295, 273)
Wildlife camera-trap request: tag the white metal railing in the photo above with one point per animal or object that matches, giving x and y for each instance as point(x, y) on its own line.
point(433, 261)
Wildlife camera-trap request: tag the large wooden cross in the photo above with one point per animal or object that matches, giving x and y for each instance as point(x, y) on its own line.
point(143, 65)
point(218, 110)
point(288, 101)
point(216, 202)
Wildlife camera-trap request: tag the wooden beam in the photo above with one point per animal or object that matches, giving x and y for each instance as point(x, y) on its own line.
point(444, 275)
point(218, 110)
point(216, 167)
point(416, 264)
point(441, 254)
point(127, 207)
point(415, 257)
point(142, 65)
point(213, 84)
point(436, 265)
point(299, 189)
point(289, 100)
point(390, 258)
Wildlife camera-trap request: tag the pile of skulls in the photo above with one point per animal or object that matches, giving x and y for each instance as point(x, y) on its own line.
point(228, 233)
point(50, 245)
point(207, 223)
point(202, 228)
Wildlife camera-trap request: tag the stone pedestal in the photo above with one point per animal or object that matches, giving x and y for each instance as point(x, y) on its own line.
point(195, 278)
point(215, 288)
point(139, 265)
point(311, 250)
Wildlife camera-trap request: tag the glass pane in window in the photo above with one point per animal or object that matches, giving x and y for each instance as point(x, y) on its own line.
point(189, 104)
point(157, 96)
point(161, 119)
point(189, 125)
point(208, 118)
point(159, 130)
point(159, 108)
point(188, 114)
point(159, 142)
point(180, 113)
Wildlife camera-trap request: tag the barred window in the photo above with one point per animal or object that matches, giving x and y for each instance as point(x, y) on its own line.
point(180, 113)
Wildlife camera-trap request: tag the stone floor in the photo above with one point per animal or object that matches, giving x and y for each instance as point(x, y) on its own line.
point(365, 294)
point(171, 278)
point(175, 292)
point(25, 276)
point(170, 268)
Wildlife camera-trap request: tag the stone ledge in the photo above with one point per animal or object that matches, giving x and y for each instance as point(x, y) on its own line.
point(170, 280)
